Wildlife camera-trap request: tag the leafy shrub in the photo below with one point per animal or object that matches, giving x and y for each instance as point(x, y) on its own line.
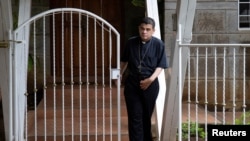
point(240, 121)
point(193, 128)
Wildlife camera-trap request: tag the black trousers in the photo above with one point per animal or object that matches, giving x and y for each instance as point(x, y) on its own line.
point(140, 106)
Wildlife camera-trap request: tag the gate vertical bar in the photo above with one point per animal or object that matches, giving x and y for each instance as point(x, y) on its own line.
point(54, 53)
point(96, 83)
point(44, 78)
point(87, 75)
point(180, 94)
point(103, 82)
point(80, 73)
point(244, 85)
point(71, 76)
point(118, 88)
point(206, 87)
point(179, 84)
point(215, 85)
point(234, 82)
point(63, 84)
point(224, 84)
point(110, 85)
point(35, 89)
point(196, 91)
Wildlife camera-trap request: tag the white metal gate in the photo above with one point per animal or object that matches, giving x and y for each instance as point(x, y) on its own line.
point(69, 95)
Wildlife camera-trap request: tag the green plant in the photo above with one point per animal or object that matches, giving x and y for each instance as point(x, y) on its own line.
point(240, 120)
point(193, 128)
point(139, 3)
point(30, 62)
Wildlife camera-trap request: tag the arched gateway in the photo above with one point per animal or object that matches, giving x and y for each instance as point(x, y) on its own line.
point(64, 71)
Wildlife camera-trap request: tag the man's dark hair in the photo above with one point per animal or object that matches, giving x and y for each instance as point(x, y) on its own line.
point(148, 20)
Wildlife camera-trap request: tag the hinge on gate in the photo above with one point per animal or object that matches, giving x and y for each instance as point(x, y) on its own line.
point(6, 43)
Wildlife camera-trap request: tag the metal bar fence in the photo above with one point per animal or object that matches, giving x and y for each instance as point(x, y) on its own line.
point(214, 87)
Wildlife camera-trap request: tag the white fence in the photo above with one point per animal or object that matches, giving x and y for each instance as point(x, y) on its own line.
point(216, 86)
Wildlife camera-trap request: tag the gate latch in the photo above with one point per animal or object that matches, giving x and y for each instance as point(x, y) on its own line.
point(6, 43)
point(115, 73)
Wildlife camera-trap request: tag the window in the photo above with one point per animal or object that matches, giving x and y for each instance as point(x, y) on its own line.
point(244, 14)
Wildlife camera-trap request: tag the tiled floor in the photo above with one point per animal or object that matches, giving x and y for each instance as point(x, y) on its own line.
point(91, 117)
point(228, 116)
point(212, 117)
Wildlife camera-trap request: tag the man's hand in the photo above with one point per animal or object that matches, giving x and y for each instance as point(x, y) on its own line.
point(144, 84)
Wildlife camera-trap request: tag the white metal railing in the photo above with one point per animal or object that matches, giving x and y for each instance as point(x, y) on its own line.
point(214, 87)
point(76, 108)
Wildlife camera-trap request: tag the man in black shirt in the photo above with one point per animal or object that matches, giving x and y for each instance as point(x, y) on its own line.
point(144, 56)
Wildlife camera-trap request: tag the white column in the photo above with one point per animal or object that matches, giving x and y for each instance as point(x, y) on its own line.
point(20, 70)
point(6, 23)
point(152, 11)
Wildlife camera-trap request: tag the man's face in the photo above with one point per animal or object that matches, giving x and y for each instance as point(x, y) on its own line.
point(146, 31)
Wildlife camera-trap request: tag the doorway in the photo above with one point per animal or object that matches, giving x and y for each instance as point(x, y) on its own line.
point(80, 37)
